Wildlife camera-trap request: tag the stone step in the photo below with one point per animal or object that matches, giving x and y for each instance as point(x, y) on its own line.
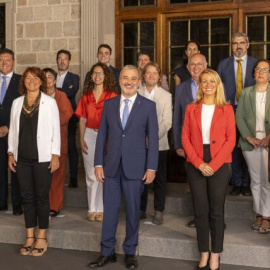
point(178, 202)
point(173, 239)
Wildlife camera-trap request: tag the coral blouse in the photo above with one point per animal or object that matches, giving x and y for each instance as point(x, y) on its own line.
point(91, 110)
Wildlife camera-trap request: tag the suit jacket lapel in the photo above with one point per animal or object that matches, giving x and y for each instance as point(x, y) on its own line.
point(189, 92)
point(9, 89)
point(232, 70)
point(252, 97)
point(66, 81)
point(117, 110)
point(134, 110)
point(198, 115)
point(217, 113)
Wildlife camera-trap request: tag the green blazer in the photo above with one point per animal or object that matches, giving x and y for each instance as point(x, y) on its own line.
point(246, 116)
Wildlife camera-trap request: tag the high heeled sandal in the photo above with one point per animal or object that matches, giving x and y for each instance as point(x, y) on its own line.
point(264, 229)
point(218, 264)
point(206, 267)
point(40, 251)
point(257, 223)
point(28, 249)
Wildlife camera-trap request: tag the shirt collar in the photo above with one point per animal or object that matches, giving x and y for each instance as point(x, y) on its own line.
point(243, 58)
point(64, 74)
point(132, 99)
point(9, 75)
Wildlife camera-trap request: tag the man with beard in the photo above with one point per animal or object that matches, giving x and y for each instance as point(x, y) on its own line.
point(69, 83)
point(236, 73)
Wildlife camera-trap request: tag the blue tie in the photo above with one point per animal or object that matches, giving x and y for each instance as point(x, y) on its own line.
point(3, 89)
point(125, 114)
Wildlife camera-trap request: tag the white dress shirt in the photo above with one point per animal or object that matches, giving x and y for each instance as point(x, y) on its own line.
point(130, 104)
point(60, 79)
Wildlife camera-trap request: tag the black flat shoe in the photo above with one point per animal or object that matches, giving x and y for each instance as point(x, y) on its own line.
point(102, 260)
point(3, 208)
point(131, 261)
point(54, 213)
point(191, 224)
point(17, 210)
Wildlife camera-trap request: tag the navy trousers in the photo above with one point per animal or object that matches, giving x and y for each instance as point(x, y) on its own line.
point(113, 189)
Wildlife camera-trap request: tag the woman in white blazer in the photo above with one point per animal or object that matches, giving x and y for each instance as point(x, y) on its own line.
point(34, 150)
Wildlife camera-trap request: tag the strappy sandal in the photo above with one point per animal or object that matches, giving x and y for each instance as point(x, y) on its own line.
point(264, 229)
point(28, 249)
point(257, 223)
point(40, 251)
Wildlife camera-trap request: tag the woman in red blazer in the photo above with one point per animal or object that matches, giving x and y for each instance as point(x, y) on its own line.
point(208, 138)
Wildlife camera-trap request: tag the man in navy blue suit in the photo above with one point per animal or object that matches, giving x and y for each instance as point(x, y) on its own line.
point(227, 70)
point(128, 134)
point(185, 93)
point(11, 81)
point(68, 82)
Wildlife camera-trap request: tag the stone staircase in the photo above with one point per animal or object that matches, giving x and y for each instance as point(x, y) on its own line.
point(173, 239)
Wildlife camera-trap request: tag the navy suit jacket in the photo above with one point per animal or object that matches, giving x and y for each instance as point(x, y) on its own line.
point(183, 97)
point(115, 145)
point(11, 94)
point(226, 72)
point(71, 86)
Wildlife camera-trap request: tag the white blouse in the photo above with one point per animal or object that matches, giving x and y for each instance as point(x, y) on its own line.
point(206, 118)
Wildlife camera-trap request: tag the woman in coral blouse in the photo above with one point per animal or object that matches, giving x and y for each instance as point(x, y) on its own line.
point(100, 87)
point(208, 138)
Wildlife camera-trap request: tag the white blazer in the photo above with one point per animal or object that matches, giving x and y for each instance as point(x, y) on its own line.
point(163, 100)
point(48, 130)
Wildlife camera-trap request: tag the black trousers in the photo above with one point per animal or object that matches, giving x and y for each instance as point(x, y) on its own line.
point(160, 185)
point(35, 181)
point(72, 151)
point(208, 194)
point(15, 188)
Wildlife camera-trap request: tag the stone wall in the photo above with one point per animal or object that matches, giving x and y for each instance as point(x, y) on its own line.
point(42, 28)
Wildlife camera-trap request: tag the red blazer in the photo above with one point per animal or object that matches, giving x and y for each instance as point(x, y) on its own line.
point(222, 135)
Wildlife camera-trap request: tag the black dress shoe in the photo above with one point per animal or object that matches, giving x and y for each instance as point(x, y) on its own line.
point(191, 224)
point(236, 191)
point(246, 191)
point(131, 261)
point(102, 260)
point(17, 210)
point(3, 208)
point(72, 185)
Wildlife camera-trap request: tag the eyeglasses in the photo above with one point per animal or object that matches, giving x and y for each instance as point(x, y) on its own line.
point(241, 43)
point(193, 65)
point(98, 73)
point(264, 70)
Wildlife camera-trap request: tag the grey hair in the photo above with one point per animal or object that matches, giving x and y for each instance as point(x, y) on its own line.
point(129, 67)
point(240, 34)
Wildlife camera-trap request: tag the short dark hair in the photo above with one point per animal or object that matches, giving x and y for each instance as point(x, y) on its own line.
point(6, 50)
point(105, 46)
point(143, 52)
point(257, 63)
point(65, 52)
point(50, 70)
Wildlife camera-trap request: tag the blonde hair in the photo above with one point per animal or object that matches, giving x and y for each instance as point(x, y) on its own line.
point(220, 99)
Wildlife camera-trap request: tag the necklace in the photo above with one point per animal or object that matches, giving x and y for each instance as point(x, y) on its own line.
point(30, 108)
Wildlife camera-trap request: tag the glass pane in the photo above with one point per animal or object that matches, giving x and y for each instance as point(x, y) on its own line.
point(147, 36)
point(2, 27)
point(176, 58)
point(220, 31)
point(130, 56)
point(130, 34)
point(256, 28)
point(268, 52)
point(196, 1)
point(130, 3)
point(147, 2)
point(179, 33)
point(178, 1)
point(199, 31)
point(217, 54)
point(256, 50)
point(204, 51)
point(268, 29)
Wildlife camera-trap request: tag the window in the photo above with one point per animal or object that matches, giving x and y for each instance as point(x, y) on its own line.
point(196, 1)
point(258, 31)
point(136, 3)
point(138, 36)
point(2, 27)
